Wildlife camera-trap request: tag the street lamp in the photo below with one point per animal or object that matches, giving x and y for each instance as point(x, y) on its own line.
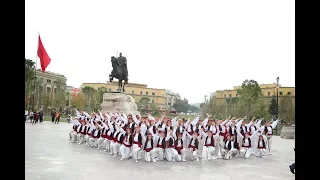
point(277, 104)
point(277, 98)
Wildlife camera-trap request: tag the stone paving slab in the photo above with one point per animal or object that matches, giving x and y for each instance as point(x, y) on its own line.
point(49, 155)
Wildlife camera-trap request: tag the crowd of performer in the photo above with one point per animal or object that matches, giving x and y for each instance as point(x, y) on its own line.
point(154, 139)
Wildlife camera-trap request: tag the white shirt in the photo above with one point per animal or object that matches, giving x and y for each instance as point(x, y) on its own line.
point(260, 144)
point(179, 143)
point(26, 113)
point(149, 144)
point(246, 142)
point(136, 137)
point(269, 128)
point(208, 140)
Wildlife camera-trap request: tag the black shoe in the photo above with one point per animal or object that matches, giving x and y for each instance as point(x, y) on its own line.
point(291, 169)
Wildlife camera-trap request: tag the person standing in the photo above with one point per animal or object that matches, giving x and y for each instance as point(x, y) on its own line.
point(26, 113)
point(31, 116)
point(41, 115)
point(293, 166)
point(53, 115)
point(58, 114)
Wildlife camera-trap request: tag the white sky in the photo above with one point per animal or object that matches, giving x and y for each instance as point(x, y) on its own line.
point(191, 47)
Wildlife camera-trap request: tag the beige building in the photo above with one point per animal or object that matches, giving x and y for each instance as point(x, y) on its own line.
point(268, 91)
point(137, 91)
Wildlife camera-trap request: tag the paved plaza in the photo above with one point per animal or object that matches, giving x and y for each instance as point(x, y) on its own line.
point(51, 156)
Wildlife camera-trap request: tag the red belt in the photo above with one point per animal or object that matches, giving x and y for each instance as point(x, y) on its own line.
point(83, 132)
point(179, 149)
point(136, 142)
point(126, 145)
point(109, 137)
point(246, 146)
point(147, 149)
point(261, 147)
point(193, 147)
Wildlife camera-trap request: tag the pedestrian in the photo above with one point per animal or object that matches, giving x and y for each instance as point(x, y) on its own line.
point(58, 115)
point(26, 113)
point(53, 115)
point(36, 117)
point(293, 166)
point(41, 116)
point(31, 116)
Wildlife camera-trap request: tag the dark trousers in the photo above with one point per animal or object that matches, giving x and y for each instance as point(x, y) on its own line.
point(25, 118)
point(57, 120)
point(41, 118)
point(293, 165)
point(52, 118)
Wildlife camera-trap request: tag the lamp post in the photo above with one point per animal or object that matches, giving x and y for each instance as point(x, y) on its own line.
point(277, 104)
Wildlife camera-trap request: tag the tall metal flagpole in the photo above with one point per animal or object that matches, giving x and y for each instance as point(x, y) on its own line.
point(35, 76)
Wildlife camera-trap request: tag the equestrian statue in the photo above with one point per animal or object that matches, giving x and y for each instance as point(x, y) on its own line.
point(119, 71)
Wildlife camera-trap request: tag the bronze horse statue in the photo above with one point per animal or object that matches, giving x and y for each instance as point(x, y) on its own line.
point(119, 71)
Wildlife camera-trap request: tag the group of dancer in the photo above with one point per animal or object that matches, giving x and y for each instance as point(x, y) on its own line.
point(153, 139)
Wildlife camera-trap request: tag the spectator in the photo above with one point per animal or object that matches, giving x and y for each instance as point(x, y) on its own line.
point(41, 115)
point(26, 113)
point(53, 115)
point(31, 116)
point(293, 166)
point(58, 114)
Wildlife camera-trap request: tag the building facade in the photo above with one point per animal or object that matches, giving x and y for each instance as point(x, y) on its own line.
point(268, 91)
point(137, 91)
point(171, 99)
point(47, 84)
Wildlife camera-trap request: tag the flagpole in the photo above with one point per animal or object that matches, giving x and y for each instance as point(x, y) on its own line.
point(35, 76)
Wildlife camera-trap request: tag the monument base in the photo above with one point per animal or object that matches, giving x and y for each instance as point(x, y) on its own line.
point(119, 101)
point(287, 132)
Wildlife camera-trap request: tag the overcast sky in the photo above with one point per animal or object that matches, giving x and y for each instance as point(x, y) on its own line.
point(191, 47)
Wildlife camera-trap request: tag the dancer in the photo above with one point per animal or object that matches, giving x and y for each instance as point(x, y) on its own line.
point(247, 141)
point(125, 148)
point(157, 152)
point(230, 148)
point(171, 153)
point(210, 142)
point(194, 145)
point(148, 147)
point(268, 133)
point(178, 144)
point(261, 148)
point(138, 139)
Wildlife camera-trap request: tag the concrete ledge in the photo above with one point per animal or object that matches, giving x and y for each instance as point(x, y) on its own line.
point(287, 132)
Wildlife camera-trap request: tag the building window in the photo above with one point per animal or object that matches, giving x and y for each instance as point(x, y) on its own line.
point(280, 93)
point(225, 95)
point(152, 100)
point(132, 91)
point(54, 82)
point(289, 93)
point(48, 89)
point(146, 93)
point(159, 107)
point(153, 94)
point(55, 90)
point(140, 92)
point(236, 95)
point(110, 89)
point(48, 81)
point(230, 95)
point(268, 93)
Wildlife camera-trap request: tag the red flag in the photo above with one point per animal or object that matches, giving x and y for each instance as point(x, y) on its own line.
point(43, 55)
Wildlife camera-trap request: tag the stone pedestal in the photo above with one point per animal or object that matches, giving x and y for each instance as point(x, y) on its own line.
point(287, 132)
point(118, 101)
